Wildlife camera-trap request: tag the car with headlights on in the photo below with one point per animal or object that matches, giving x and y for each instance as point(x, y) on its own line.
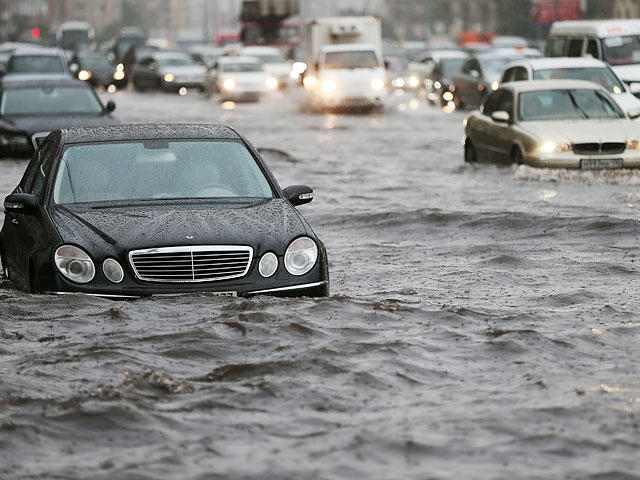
point(167, 70)
point(553, 123)
point(239, 78)
point(576, 68)
point(480, 75)
point(438, 82)
point(149, 209)
point(274, 62)
point(30, 107)
point(95, 69)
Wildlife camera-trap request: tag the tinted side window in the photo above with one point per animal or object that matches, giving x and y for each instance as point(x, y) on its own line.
point(575, 47)
point(592, 48)
point(515, 74)
point(555, 47)
point(492, 103)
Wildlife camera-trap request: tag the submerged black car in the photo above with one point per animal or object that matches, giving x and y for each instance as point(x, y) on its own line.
point(32, 106)
point(137, 210)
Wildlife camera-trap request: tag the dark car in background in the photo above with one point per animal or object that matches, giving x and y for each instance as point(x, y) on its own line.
point(30, 107)
point(138, 210)
point(438, 82)
point(480, 75)
point(95, 69)
point(168, 70)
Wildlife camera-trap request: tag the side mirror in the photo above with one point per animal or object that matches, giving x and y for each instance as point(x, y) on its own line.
point(633, 114)
point(74, 67)
point(634, 88)
point(298, 194)
point(24, 203)
point(111, 106)
point(474, 73)
point(500, 116)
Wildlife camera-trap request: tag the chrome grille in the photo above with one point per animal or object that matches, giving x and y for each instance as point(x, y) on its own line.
point(202, 263)
point(606, 148)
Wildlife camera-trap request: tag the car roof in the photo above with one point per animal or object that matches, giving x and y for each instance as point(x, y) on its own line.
point(238, 59)
point(600, 28)
point(558, 62)
point(43, 80)
point(148, 131)
point(534, 85)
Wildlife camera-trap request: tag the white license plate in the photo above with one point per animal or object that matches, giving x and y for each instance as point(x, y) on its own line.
point(600, 163)
point(223, 294)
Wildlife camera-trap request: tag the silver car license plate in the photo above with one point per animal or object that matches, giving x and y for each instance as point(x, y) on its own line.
point(600, 163)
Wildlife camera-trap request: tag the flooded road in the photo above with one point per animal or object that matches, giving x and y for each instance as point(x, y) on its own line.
point(484, 323)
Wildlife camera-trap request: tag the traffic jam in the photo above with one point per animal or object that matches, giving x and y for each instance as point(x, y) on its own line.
point(571, 105)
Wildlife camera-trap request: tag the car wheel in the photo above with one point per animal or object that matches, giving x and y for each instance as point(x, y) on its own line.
point(469, 152)
point(516, 156)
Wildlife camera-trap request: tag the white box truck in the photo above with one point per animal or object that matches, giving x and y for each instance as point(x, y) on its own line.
point(345, 68)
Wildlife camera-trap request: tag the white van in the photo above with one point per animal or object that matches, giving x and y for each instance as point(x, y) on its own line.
point(616, 42)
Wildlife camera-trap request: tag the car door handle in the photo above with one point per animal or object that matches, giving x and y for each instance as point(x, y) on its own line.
point(15, 221)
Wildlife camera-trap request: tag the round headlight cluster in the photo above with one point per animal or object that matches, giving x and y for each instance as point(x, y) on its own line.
point(74, 263)
point(301, 256)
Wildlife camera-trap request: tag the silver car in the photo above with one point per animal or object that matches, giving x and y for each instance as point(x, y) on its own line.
point(553, 123)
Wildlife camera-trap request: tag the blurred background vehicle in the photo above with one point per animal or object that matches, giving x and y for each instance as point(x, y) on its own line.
point(168, 70)
point(239, 78)
point(96, 69)
point(274, 62)
point(33, 106)
point(438, 83)
point(480, 74)
point(32, 60)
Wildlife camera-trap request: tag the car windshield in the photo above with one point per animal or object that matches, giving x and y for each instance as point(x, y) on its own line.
point(600, 75)
point(35, 64)
point(571, 104)
point(154, 170)
point(451, 66)
point(95, 62)
point(495, 66)
point(50, 100)
point(175, 61)
point(622, 50)
point(242, 67)
point(351, 59)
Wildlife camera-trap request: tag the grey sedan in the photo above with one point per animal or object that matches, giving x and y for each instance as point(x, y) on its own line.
point(553, 123)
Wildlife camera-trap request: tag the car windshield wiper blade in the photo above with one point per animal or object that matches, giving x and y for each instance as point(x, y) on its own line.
point(575, 104)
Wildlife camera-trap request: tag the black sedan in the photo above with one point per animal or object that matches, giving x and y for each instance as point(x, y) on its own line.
point(137, 210)
point(32, 107)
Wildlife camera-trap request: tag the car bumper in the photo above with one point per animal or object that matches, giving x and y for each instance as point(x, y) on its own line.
point(585, 162)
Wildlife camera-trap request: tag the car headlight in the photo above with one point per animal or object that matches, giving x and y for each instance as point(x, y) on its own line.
point(113, 270)
point(495, 85)
point(447, 96)
point(377, 84)
point(74, 263)
point(272, 83)
point(414, 82)
point(13, 139)
point(309, 81)
point(633, 144)
point(229, 84)
point(398, 83)
point(118, 75)
point(169, 77)
point(301, 256)
point(329, 86)
point(553, 147)
point(84, 75)
point(268, 264)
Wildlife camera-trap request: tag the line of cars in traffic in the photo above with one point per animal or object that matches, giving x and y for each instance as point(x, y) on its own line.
point(570, 109)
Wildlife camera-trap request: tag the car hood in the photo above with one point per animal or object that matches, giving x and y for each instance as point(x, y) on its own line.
point(584, 130)
point(628, 73)
point(183, 69)
point(265, 225)
point(46, 123)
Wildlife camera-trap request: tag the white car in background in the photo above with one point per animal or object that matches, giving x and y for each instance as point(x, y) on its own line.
point(274, 62)
point(239, 78)
point(574, 68)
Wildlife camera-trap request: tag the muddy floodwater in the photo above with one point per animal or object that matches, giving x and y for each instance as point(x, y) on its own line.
point(483, 323)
